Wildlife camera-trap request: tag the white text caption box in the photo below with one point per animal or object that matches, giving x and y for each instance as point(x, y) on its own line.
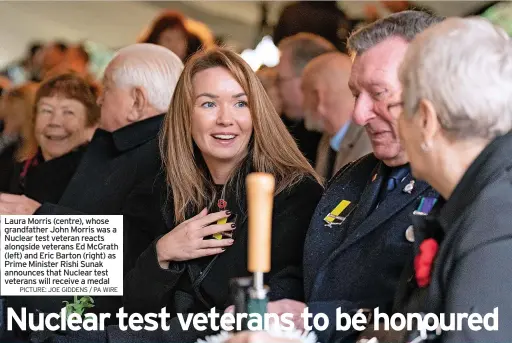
point(61, 255)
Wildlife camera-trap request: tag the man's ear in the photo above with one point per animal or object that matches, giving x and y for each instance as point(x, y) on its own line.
point(427, 120)
point(140, 103)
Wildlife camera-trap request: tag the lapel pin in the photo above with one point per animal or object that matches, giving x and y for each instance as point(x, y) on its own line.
point(409, 187)
point(409, 234)
point(374, 177)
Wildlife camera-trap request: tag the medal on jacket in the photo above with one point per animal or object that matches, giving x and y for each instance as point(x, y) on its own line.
point(221, 204)
point(335, 216)
point(426, 205)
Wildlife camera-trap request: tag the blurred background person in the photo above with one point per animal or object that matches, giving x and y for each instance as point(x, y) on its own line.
point(455, 122)
point(16, 139)
point(328, 99)
point(375, 10)
point(268, 78)
point(53, 55)
point(169, 31)
point(28, 68)
point(64, 119)
point(199, 36)
point(5, 84)
point(77, 60)
point(183, 36)
point(322, 18)
point(297, 51)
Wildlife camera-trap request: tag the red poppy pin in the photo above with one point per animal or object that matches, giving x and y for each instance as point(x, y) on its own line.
point(222, 204)
point(424, 261)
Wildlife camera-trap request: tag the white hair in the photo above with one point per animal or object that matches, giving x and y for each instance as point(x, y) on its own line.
point(149, 66)
point(464, 67)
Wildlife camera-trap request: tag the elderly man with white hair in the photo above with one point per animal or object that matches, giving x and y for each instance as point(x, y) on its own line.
point(116, 175)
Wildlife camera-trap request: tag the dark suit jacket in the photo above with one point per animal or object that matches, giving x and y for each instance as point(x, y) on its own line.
point(472, 272)
point(117, 177)
point(358, 264)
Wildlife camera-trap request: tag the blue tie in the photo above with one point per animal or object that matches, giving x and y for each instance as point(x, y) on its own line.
point(394, 179)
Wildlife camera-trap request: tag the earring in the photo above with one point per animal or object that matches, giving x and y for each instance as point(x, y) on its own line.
point(426, 146)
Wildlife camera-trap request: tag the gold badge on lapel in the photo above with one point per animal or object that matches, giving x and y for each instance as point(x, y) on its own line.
point(335, 217)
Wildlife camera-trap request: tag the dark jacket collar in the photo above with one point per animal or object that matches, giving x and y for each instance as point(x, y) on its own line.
point(485, 169)
point(133, 135)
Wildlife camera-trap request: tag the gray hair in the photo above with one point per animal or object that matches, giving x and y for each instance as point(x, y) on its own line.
point(152, 67)
point(304, 47)
point(464, 67)
point(405, 24)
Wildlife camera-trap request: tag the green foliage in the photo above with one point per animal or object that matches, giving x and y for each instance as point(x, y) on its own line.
point(79, 305)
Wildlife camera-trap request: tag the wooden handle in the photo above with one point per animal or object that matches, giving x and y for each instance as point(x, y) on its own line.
point(260, 200)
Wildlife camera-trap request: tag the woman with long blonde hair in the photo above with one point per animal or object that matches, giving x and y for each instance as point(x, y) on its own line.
point(221, 126)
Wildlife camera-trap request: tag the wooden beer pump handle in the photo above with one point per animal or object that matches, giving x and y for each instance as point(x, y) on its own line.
point(260, 200)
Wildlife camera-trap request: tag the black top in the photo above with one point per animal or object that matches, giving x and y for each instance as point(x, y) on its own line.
point(148, 287)
point(43, 180)
point(471, 272)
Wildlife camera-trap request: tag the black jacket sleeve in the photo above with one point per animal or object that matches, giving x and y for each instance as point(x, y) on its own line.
point(147, 285)
point(481, 275)
point(293, 212)
point(481, 283)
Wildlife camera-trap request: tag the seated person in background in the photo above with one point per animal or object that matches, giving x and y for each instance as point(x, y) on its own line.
point(168, 30)
point(220, 127)
point(63, 122)
point(16, 138)
point(297, 51)
point(65, 116)
point(5, 84)
point(328, 100)
point(463, 131)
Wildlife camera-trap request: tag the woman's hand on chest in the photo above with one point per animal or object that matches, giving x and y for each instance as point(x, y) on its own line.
point(186, 241)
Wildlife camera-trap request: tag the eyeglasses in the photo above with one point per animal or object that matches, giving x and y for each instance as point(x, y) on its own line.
point(396, 109)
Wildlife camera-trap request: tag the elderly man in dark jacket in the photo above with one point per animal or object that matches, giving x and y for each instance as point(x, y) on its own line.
point(359, 238)
point(116, 175)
